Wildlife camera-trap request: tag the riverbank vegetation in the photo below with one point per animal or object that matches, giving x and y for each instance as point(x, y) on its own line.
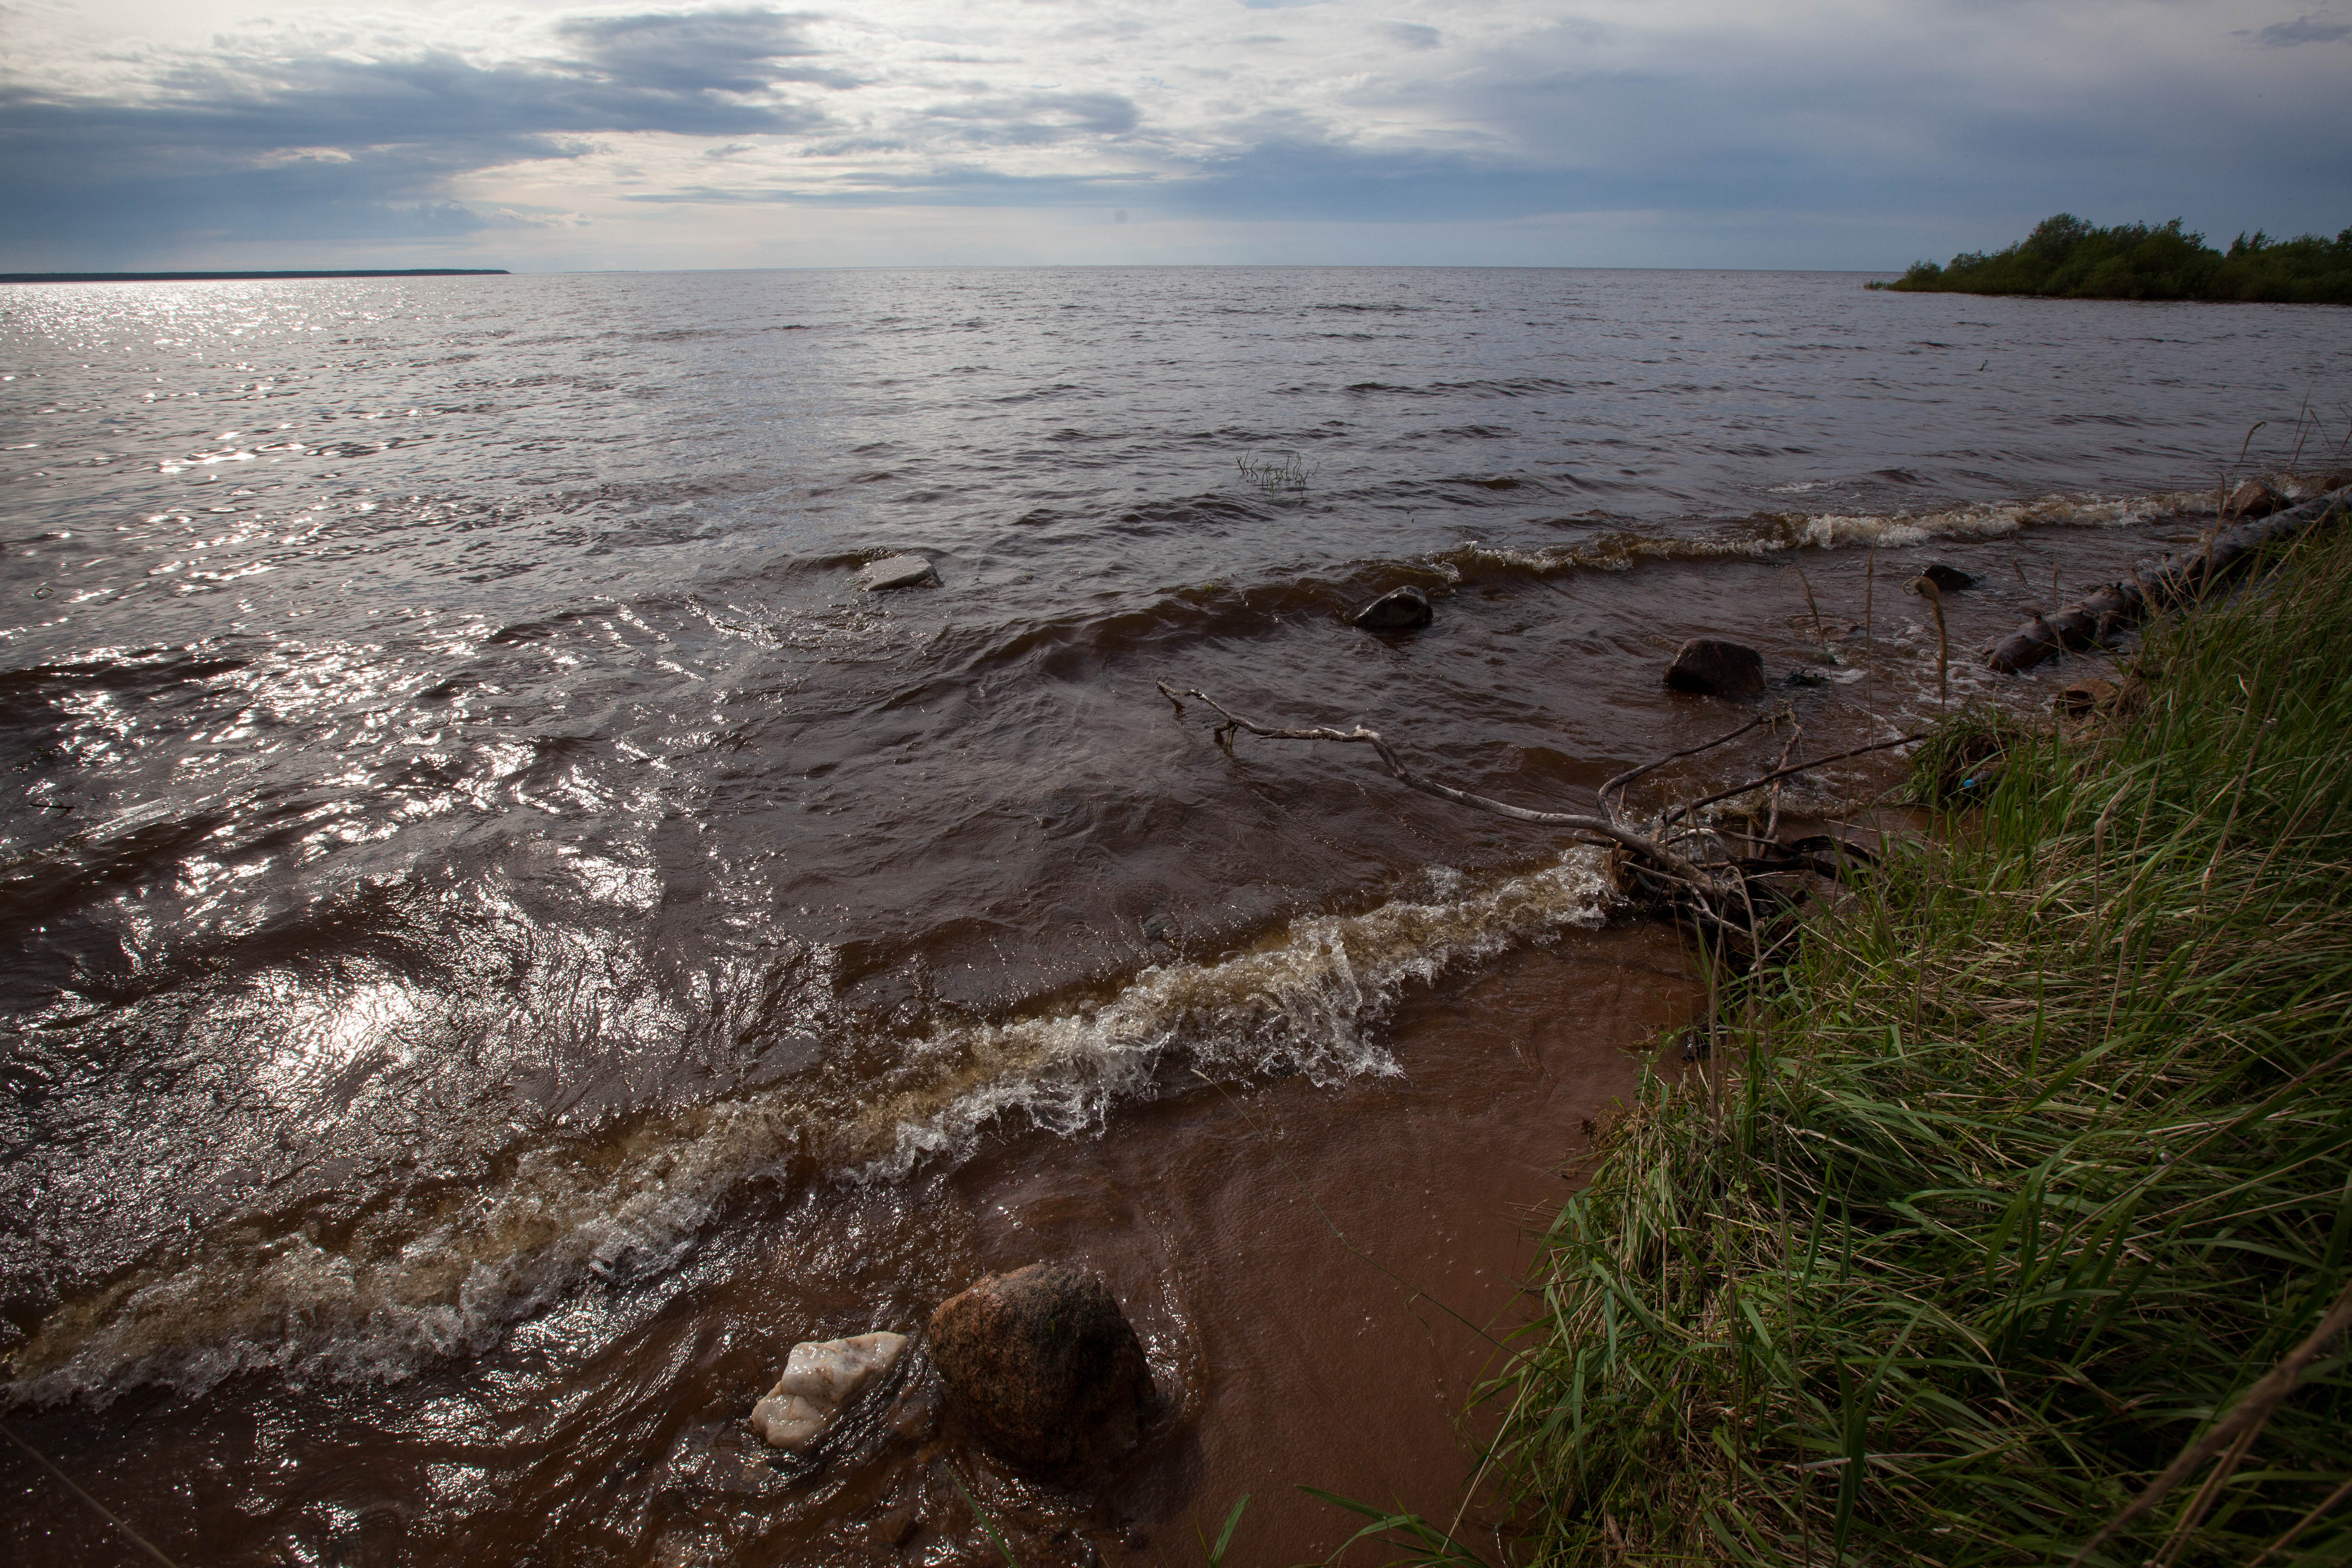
point(2067, 258)
point(2022, 1191)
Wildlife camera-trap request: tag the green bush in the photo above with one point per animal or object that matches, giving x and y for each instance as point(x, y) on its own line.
point(2066, 258)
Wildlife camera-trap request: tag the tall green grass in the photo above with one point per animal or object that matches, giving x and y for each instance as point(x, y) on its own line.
point(2036, 1156)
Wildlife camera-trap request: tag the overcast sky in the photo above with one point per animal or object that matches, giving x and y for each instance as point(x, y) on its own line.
point(551, 134)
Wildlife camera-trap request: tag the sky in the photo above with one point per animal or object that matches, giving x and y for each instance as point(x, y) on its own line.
point(554, 135)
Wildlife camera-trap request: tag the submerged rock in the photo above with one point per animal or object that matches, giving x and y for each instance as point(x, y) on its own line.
point(821, 1378)
point(895, 571)
point(2253, 499)
point(1398, 610)
point(1043, 1366)
point(1948, 579)
point(1714, 668)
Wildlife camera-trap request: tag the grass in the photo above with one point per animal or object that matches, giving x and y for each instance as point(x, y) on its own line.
point(2029, 1165)
point(2068, 258)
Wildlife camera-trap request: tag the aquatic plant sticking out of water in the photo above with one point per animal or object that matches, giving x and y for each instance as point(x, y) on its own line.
point(1286, 470)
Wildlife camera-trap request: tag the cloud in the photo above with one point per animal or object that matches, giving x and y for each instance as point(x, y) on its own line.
point(1037, 118)
point(2304, 30)
point(317, 146)
point(701, 51)
point(437, 126)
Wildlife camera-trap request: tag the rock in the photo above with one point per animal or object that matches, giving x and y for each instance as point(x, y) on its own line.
point(1400, 609)
point(820, 1378)
point(1156, 928)
point(1041, 1365)
point(2087, 695)
point(1948, 579)
point(2253, 499)
point(1716, 668)
point(895, 571)
point(896, 1527)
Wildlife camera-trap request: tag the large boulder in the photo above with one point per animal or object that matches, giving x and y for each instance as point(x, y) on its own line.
point(895, 571)
point(1398, 610)
point(1714, 668)
point(1043, 1366)
point(822, 1377)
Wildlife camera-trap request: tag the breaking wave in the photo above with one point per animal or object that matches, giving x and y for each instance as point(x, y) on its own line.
point(1774, 533)
point(444, 1272)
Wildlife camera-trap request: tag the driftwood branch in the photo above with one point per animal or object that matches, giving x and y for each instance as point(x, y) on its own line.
point(1723, 893)
point(1780, 774)
point(2176, 580)
point(1603, 827)
point(1619, 782)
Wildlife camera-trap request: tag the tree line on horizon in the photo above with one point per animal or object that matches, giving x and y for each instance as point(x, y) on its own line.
point(2069, 259)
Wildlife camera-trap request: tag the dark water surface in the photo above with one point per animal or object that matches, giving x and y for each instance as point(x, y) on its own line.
point(508, 937)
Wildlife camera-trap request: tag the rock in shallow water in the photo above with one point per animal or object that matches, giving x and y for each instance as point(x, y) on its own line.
point(820, 1378)
point(2253, 499)
point(895, 571)
point(1712, 667)
point(1041, 1365)
point(1948, 579)
point(1398, 610)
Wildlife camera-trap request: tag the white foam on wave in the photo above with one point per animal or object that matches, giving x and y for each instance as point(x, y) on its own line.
point(1775, 534)
point(449, 1275)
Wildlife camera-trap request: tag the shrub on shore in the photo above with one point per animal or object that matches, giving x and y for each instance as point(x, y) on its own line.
point(2066, 258)
point(2033, 1160)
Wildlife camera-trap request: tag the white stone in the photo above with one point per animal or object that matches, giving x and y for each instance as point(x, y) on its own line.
point(895, 572)
point(820, 1378)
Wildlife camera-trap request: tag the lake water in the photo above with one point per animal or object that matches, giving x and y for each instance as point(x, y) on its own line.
point(510, 937)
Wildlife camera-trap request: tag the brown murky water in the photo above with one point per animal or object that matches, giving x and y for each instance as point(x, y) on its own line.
point(508, 939)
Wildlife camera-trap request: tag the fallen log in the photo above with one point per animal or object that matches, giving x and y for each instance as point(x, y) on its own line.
point(2113, 607)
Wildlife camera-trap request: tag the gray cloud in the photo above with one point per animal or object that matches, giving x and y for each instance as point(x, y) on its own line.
point(323, 147)
point(2304, 30)
point(701, 51)
point(1412, 35)
point(1037, 118)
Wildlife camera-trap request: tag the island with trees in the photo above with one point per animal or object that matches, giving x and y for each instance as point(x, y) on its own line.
point(2069, 259)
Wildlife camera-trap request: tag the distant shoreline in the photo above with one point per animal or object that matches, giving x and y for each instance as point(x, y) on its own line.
point(245, 276)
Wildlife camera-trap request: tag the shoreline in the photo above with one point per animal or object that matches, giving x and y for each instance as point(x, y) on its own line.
point(1940, 1259)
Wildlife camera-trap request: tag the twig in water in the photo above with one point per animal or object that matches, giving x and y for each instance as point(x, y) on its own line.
point(1812, 609)
point(1772, 820)
point(1682, 811)
point(1627, 777)
point(104, 1513)
point(1869, 588)
point(1926, 588)
point(1663, 859)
